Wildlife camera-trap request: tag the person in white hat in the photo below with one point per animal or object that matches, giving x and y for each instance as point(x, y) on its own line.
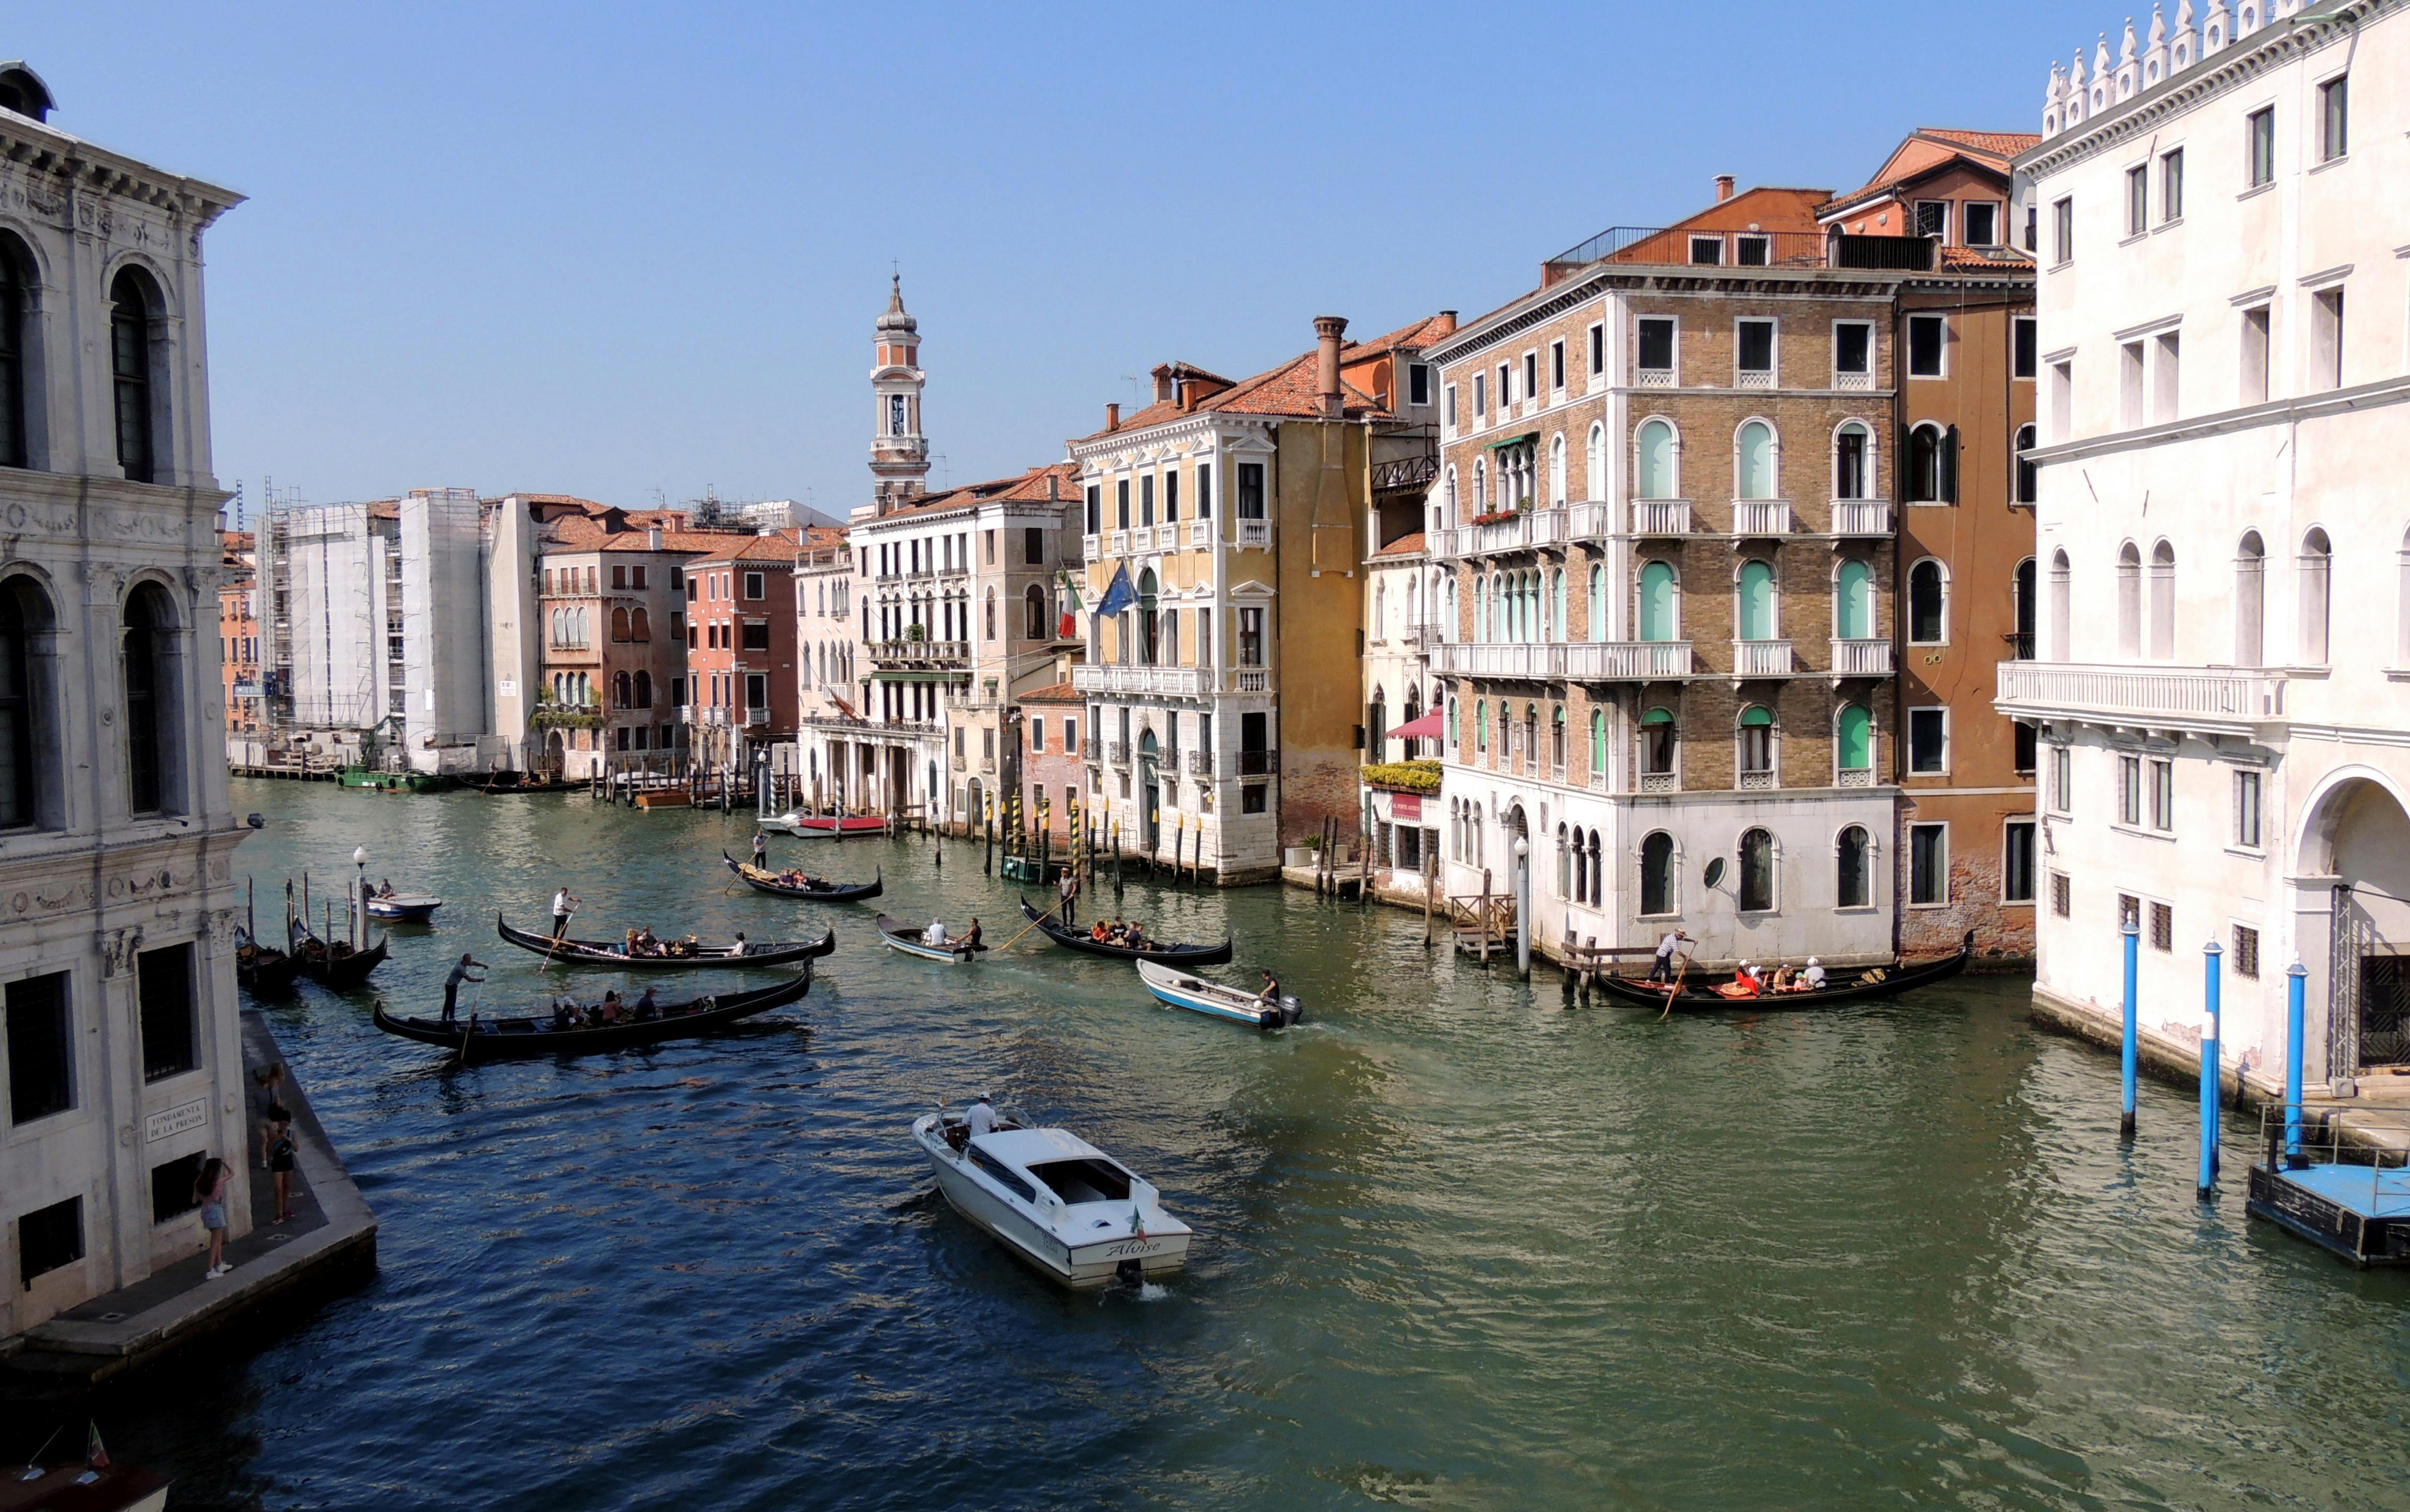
point(1813, 977)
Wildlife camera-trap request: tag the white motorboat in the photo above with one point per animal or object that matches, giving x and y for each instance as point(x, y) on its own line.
point(1059, 1203)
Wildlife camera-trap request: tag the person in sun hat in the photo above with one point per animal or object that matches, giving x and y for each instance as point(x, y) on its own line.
point(982, 1118)
point(1813, 977)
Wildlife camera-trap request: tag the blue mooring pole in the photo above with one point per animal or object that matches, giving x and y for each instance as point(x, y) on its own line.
point(2126, 1110)
point(2209, 1068)
point(2296, 975)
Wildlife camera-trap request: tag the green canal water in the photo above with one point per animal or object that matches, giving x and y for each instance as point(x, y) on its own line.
point(1460, 1244)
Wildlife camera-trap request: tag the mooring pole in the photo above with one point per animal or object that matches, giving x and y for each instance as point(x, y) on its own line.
point(2133, 933)
point(987, 806)
point(1431, 885)
point(2209, 1067)
point(1523, 907)
point(1114, 832)
point(2295, 977)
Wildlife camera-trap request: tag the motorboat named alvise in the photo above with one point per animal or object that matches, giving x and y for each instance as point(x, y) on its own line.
point(1059, 1203)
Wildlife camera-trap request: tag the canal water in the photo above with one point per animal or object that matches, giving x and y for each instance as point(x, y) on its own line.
point(1460, 1244)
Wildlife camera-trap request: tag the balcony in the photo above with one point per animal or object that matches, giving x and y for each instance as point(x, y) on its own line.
point(1200, 764)
point(1117, 543)
point(1158, 682)
point(1117, 753)
point(1761, 517)
point(1761, 659)
point(1861, 516)
point(1257, 763)
point(1862, 659)
point(1247, 680)
point(1423, 637)
point(1167, 538)
point(1254, 533)
point(1753, 378)
point(1201, 533)
point(1660, 516)
point(703, 716)
point(1578, 661)
point(757, 716)
point(913, 653)
point(1589, 521)
point(2209, 699)
point(1088, 548)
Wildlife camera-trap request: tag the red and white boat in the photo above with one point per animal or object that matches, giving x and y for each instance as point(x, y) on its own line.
point(830, 826)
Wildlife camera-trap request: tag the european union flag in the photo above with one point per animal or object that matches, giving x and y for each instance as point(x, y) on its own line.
point(1119, 595)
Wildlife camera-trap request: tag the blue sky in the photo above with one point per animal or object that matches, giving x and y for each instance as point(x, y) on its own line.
point(608, 249)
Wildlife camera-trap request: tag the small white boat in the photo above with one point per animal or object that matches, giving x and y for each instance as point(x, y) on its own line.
point(907, 940)
point(1056, 1201)
point(1182, 989)
point(403, 907)
point(829, 826)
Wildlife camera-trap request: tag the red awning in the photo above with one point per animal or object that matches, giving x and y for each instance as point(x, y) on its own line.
point(1430, 727)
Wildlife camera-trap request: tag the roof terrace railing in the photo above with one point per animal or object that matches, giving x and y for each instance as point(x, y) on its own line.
point(1683, 246)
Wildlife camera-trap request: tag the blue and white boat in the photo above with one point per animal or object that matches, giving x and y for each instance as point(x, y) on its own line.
point(1211, 998)
point(905, 937)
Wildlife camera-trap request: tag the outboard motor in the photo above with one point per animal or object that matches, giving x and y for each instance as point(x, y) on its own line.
point(1130, 1273)
point(1290, 1011)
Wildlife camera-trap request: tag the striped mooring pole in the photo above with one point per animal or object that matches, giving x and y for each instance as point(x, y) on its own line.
point(2133, 932)
point(2209, 1065)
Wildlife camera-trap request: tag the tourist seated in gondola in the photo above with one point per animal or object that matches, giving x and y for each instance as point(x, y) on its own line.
point(1135, 938)
point(566, 1014)
point(1812, 979)
point(648, 1008)
point(1101, 933)
point(1743, 984)
point(611, 1011)
point(647, 943)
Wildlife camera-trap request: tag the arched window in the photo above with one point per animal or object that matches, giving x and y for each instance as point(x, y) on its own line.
point(2062, 608)
point(1850, 873)
point(1657, 873)
point(1448, 515)
point(17, 284)
point(1757, 616)
point(1754, 453)
point(1480, 610)
point(1927, 617)
point(1376, 728)
point(133, 330)
point(645, 689)
point(619, 624)
point(2163, 602)
point(2021, 593)
point(1654, 474)
point(2317, 581)
point(1756, 872)
point(1148, 645)
point(1595, 464)
point(1556, 739)
point(1597, 600)
point(1556, 631)
point(1481, 724)
point(29, 776)
point(640, 624)
point(2129, 600)
point(1657, 606)
point(153, 774)
point(1448, 627)
point(1853, 601)
point(1598, 745)
point(582, 629)
point(1854, 738)
point(1853, 462)
point(1454, 735)
point(623, 693)
point(1033, 616)
point(2251, 600)
point(1597, 874)
point(1409, 750)
point(2028, 478)
point(1757, 740)
point(1657, 743)
point(1557, 468)
point(1480, 487)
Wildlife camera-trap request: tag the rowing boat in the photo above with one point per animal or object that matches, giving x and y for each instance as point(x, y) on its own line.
point(806, 826)
point(742, 954)
point(1175, 953)
point(815, 889)
point(478, 1038)
point(1700, 995)
point(403, 907)
point(1215, 1000)
point(337, 966)
point(905, 938)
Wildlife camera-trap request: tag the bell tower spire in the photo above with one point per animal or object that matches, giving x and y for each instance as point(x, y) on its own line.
point(899, 453)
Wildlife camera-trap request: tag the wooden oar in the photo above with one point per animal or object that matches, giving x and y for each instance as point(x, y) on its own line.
point(1683, 972)
point(1017, 938)
point(563, 935)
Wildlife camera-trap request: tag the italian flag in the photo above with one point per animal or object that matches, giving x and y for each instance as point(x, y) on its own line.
point(1068, 628)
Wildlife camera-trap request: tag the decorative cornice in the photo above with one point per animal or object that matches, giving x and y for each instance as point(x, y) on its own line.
point(1544, 305)
point(45, 149)
point(2280, 411)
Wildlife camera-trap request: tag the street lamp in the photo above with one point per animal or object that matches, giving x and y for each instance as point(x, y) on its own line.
point(360, 919)
point(1522, 908)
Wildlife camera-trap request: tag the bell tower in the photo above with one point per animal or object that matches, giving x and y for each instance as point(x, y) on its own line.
point(899, 453)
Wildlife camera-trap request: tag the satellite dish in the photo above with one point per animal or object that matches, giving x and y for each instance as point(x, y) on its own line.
point(1715, 872)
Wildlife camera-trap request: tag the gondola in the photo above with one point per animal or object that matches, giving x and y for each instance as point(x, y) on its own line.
point(1175, 953)
point(1176, 987)
point(814, 890)
point(403, 907)
point(906, 938)
point(744, 953)
point(474, 1038)
point(263, 970)
point(339, 965)
point(1699, 994)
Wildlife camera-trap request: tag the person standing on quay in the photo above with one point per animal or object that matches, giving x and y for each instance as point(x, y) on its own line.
point(271, 1106)
point(457, 975)
point(209, 1190)
point(279, 1165)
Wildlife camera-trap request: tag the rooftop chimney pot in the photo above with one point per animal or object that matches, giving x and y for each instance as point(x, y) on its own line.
point(1327, 329)
point(1447, 323)
point(1724, 187)
point(1112, 417)
point(1163, 386)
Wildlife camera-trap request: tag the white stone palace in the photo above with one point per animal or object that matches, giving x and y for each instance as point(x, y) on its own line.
point(117, 909)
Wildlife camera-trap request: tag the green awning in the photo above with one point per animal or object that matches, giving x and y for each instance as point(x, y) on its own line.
point(1512, 441)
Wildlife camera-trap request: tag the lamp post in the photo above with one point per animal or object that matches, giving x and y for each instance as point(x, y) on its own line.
point(360, 919)
point(1523, 907)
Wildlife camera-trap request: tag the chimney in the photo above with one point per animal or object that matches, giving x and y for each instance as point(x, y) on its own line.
point(653, 539)
point(1163, 389)
point(1447, 322)
point(1724, 187)
point(1113, 416)
point(1327, 331)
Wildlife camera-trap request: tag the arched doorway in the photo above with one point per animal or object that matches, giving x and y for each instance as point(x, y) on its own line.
point(556, 749)
point(2356, 841)
point(1150, 795)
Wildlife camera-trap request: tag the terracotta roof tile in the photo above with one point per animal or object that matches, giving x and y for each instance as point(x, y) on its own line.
point(2001, 144)
point(778, 545)
point(1424, 332)
point(1287, 390)
point(1019, 487)
point(1061, 692)
point(1404, 545)
point(1974, 257)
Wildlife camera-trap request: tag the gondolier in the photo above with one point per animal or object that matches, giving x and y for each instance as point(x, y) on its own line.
point(1069, 888)
point(452, 983)
point(1661, 969)
point(562, 906)
point(761, 850)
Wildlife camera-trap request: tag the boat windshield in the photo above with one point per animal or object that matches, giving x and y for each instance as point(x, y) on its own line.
point(1084, 1180)
point(1002, 1174)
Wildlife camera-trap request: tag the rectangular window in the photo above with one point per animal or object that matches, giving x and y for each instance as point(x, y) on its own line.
point(2025, 744)
point(757, 691)
point(1928, 337)
point(164, 983)
point(1480, 395)
point(2163, 796)
point(2166, 364)
point(1070, 737)
point(756, 635)
point(1252, 798)
point(1418, 382)
point(1096, 508)
point(1853, 351)
point(2260, 129)
point(2017, 862)
point(2172, 186)
point(1250, 490)
point(1530, 375)
point(2335, 118)
point(2129, 913)
point(2062, 896)
point(1251, 637)
point(1707, 251)
point(1753, 347)
point(1982, 222)
point(2062, 399)
point(1033, 547)
point(2024, 347)
point(618, 576)
point(1933, 218)
point(677, 580)
point(1121, 504)
point(1146, 500)
point(753, 586)
point(1204, 490)
point(1450, 404)
point(2163, 927)
point(1505, 388)
point(1928, 863)
point(1656, 341)
point(1597, 351)
point(2138, 200)
point(2326, 337)
point(2253, 387)
point(41, 1048)
point(1037, 734)
point(2062, 230)
point(2247, 952)
point(1555, 365)
point(1752, 251)
point(1928, 741)
point(2246, 810)
point(2130, 386)
point(2062, 781)
point(2129, 789)
point(48, 1238)
point(171, 1187)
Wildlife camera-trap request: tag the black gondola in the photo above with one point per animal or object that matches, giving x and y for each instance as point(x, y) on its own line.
point(813, 890)
point(263, 970)
point(742, 955)
point(476, 1038)
point(338, 965)
point(1699, 995)
point(1076, 940)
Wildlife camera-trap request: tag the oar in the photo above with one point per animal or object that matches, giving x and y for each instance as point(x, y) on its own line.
point(1683, 972)
point(563, 935)
point(1016, 939)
